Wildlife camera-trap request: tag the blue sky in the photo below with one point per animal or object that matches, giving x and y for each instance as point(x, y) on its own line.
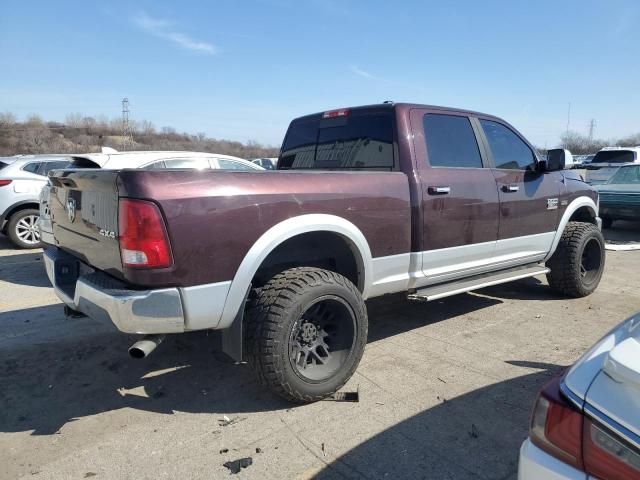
point(242, 70)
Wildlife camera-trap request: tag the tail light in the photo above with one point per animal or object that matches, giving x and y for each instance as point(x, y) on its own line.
point(608, 456)
point(560, 429)
point(4, 183)
point(556, 426)
point(142, 234)
point(342, 112)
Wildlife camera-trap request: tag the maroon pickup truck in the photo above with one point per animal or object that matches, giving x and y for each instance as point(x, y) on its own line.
point(365, 201)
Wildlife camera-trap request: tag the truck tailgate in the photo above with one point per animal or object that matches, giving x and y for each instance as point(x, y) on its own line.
point(84, 216)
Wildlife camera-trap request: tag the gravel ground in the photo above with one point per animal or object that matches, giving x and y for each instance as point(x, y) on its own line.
point(445, 388)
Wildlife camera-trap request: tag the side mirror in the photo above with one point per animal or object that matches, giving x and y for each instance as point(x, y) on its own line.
point(557, 159)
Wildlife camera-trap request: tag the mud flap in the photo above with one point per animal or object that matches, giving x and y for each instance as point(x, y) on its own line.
point(232, 337)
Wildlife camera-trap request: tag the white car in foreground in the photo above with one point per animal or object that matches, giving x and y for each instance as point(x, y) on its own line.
point(586, 425)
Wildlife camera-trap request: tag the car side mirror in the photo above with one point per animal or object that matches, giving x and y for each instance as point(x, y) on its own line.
point(557, 159)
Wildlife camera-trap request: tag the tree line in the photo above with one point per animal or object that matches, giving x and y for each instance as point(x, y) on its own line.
point(579, 144)
point(86, 134)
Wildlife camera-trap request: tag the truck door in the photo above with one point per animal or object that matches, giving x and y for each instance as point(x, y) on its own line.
point(459, 196)
point(528, 199)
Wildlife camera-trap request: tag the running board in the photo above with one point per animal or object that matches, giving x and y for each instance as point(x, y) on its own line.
point(442, 290)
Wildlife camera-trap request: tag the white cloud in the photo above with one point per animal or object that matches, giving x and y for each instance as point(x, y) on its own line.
point(362, 73)
point(162, 28)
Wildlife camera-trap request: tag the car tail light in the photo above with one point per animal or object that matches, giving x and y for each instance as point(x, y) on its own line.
point(342, 112)
point(556, 426)
point(4, 183)
point(142, 234)
point(606, 456)
point(560, 429)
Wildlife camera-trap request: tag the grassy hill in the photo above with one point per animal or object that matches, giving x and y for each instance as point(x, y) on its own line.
point(87, 134)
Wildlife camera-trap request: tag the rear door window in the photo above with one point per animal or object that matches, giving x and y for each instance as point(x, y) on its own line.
point(358, 139)
point(451, 141)
point(197, 163)
point(508, 149)
point(46, 167)
point(31, 167)
point(614, 156)
point(233, 165)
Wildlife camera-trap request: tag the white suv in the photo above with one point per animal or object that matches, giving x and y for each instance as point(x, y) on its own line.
point(21, 180)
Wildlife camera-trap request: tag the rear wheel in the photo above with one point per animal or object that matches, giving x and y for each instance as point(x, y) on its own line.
point(578, 262)
point(23, 229)
point(306, 332)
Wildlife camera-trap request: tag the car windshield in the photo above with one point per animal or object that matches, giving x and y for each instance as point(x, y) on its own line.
point(626, 175)
point(598, 177)
point(614, 156)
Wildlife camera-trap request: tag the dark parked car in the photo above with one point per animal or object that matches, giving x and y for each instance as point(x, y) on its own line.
point(366, 201)
point(620, 196)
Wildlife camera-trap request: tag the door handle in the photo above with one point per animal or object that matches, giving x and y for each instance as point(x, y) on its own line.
point(438, 190)
point(510, 188)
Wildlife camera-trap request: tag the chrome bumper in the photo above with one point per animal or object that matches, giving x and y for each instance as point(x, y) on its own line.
point(106, 299)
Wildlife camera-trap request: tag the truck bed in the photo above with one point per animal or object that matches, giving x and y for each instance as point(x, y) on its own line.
point(197, 206)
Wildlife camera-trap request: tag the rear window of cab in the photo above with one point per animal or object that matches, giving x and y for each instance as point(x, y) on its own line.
point(358, 139)
point(614, 156)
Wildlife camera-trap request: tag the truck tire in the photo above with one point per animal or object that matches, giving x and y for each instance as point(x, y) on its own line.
point(23, 230)
point(306, 330)
point(578, 262)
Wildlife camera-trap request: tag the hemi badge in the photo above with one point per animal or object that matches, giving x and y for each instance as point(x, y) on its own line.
point(552, 203)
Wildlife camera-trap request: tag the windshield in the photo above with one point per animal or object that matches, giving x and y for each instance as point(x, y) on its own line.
point(598, 177)
point(614, 156)
point(360, 139)
point(626, 175)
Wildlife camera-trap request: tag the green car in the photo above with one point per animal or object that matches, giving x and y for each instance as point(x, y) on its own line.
point(620, 196)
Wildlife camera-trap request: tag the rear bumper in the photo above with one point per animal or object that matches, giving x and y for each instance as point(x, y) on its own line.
point(103, 298)
point(536, 464)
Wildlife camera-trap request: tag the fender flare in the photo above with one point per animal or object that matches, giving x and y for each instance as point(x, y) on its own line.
point(577, 203)
point(285, 230)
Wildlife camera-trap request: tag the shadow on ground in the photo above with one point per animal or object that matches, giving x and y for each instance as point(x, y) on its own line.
point(21, 267)
point(476, 435)
point(77, 369)
point(623, 233)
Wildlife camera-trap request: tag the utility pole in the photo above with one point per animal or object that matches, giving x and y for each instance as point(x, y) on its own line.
point(126, 126)
point(592, 126)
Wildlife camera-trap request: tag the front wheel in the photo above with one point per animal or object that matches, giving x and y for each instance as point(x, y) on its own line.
point(306, 330)
point(23, 229)
point(578, 262)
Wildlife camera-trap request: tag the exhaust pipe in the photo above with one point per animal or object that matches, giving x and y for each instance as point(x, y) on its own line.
point(144, 347)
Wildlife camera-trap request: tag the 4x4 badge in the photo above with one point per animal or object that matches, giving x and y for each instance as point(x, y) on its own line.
point(71, 209)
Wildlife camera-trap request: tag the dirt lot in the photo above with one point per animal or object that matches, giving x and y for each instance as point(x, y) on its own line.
point(445, 388)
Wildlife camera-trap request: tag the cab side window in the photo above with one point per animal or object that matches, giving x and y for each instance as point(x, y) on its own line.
point(451, 141)
point(508, 149)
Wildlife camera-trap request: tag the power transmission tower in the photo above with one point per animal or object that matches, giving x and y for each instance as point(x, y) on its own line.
point(592, 126)
point(127, 134)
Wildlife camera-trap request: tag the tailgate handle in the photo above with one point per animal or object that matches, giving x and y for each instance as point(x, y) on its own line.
point(510, 188)
point(439, 190)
